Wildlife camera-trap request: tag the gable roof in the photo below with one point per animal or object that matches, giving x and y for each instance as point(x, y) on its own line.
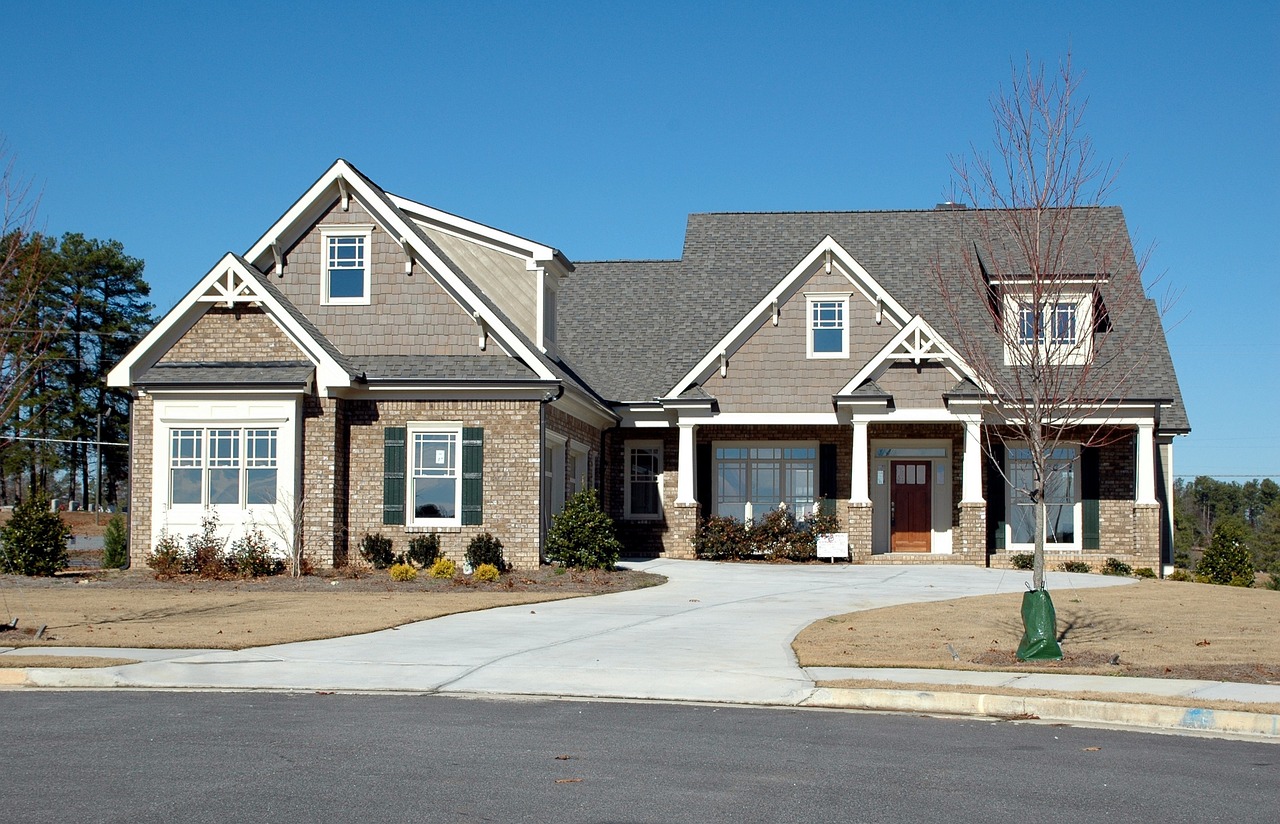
point(638, 327)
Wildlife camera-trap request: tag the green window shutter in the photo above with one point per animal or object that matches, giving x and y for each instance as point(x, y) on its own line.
point(393, 471)
point(996, 502)
point(1090, 487)
point(702, 474)
point(472, 475)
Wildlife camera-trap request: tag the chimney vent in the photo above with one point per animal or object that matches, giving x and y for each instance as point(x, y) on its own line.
point(948, 206)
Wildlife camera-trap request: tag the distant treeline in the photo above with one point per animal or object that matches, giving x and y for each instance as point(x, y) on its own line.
point(1206, 504)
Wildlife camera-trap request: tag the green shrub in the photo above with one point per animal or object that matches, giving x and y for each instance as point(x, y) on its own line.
point(1227, 559)
point(1114, 566)
point(486, 549)
point(1273, 580)
point(115, 544)
point(403, 572)
point(252, 555)
point(204, 554)
point(423, 550)
point(1074, 566)
point(1145, 572)
point(720, 538)
point(443, 568)
point(1180, 575)
point(1022, 560)
point(486, 572)
point(167, 557)
point(376, 549)
point(34, 539)
point(582, 536)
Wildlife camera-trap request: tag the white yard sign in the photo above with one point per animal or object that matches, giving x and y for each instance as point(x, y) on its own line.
point(834, 545)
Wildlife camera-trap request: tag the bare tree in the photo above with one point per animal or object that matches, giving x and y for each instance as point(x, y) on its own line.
point(286, 520)
point(25, 331)
point(1046, 299)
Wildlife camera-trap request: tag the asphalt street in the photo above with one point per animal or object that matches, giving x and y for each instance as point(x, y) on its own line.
point(120, 756)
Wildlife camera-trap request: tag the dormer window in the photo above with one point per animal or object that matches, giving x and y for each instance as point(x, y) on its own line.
point(345, 256)
point(1059, 328)
point(828, 319)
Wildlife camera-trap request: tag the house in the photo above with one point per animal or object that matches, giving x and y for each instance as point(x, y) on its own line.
point(373, 364)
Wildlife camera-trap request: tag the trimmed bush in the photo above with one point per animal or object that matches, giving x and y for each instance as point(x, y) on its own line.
point(582, 536)
point(1145, 572)
point(486, 549)
point(403, 572)
point(720, 538)
point(1180, 575)
point(1074, 566)
point(776, 535)
point(376, 549)
point(1022, 560)
point(486, 572)
point(423, 550)
point(443, 568)
point(1114, 566)
point(204, 554)
point(115, 544)
point(167, 557)
point(35, 539)
point(1227, 560)
point(252, 555)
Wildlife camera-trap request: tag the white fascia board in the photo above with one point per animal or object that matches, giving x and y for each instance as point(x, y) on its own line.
point(399, 225)
point(775, 419)
point(579, 405)
point(471, 230)
point(851, 269)
point(913, 416)
point(916, 324)
point(182, 317)
point(481, 392)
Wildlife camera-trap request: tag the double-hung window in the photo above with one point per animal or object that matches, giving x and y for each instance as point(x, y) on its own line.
point(223, 466)
point(345, 256)
point(644, 470)
point(436, 491)
point(1055, 322)
point(828, 326)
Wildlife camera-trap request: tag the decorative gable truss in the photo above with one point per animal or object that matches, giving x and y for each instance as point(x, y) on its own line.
point(828, 256)
point(229, 283)
point(916, 343)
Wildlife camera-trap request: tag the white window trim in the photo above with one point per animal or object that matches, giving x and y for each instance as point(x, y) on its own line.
point(1075, 354)
point(411, 518)
point(354, 230)
point(579, 466)
point(761, 507)
point(1077, 508)
point(631, 448)
point(812, 298)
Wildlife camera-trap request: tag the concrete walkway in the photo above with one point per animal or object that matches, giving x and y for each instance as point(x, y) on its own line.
point(714, 632)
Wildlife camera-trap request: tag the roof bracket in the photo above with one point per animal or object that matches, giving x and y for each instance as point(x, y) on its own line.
point(879, 310)
point(724, 364)
point(828, 261)
point(484, 333)
point(408, 255)
point(346, 196)
point(775, 311)
point(279, 255)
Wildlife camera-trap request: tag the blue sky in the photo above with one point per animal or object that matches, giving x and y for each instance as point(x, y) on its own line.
point(183, 130)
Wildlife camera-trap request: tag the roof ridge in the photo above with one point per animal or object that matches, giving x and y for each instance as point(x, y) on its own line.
point(928, 210)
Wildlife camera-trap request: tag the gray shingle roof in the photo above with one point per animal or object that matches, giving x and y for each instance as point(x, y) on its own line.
point(635, 328)
point(262, 373)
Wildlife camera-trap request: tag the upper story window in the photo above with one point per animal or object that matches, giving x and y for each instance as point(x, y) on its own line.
point(644, 471)
point(1058, 328)
point(345, 251)
point(828, 318)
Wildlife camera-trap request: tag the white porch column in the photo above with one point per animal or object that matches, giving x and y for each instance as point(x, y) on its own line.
point(685, 469)
point(858, 480)
point(972, 467)
point(1145, 485)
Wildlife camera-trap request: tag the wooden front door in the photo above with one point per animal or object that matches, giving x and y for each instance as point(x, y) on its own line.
point(911, 508)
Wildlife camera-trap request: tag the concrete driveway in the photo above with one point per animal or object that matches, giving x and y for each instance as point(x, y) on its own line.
point(714, 632)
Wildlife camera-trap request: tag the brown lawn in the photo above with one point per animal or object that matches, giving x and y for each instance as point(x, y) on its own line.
point(132, 609)
point(1152, 628)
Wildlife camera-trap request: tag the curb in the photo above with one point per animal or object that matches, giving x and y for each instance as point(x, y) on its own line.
point(1148, 716)
point(13, 677)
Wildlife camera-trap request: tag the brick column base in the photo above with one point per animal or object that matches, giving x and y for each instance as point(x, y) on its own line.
point(1146, 534)
point(858, 517)
point(971, 536)
point(683, 522)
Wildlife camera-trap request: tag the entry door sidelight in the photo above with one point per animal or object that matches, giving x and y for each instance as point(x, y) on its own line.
point(911, 506)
